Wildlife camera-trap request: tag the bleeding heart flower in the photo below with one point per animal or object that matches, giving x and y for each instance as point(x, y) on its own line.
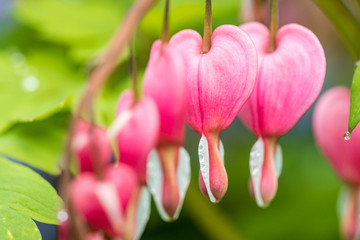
point(289, 80)
point(91, 142)
point(139, 131)
point(218, 84)
point(103, 203)
point(164, 81)
point(330, 122)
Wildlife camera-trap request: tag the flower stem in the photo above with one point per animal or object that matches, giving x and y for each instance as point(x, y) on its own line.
point(165, 33)
point(133, 71)
point(274, 23)
point(119, 42)
point(207, 27)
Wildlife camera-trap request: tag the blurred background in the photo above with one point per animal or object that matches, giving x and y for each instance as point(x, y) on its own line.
point(47, 49)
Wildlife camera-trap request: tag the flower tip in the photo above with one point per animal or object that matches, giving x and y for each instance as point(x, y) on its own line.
point(170, 201)
point(268, 189)
point(218, 188)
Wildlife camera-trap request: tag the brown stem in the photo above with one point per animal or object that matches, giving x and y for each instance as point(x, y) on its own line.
point(165, 33)
point(94, 149)
point(133, 71)
point(98, 77)
point(274, 24)
point(120, 40)
point(207, 27)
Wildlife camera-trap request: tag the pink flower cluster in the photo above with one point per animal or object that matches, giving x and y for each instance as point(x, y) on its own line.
point(238, 76)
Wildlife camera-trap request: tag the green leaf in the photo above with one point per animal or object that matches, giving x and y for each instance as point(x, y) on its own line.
point(15, 225)
point(27, 192)
point(86, 26)
point(39, 143)
point(354, 117)
point(34, 86)
point(345, 23)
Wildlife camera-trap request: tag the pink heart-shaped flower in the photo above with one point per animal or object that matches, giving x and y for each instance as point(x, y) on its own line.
point(103, 203)
point(165, 82)
point(139, 132)
point(289, 80)
point(330, 122)
point(218, 84)
point(91, 145)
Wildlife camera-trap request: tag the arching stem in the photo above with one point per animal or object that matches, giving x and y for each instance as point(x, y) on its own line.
point(207, 27)
point(274, 23)
point(165, 33)
point(133, 71)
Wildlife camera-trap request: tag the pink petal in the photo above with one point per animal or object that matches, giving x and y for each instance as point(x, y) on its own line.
point(330, 123)
point(289, 79)
point(189, 43)
point(219, 82)
point(103, 204)
point(91, 146)
point(164, 81)
point(140, 134)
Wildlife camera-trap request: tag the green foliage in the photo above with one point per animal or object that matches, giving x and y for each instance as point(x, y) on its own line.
point(39, 143)
point(345, 23)
point(354, 117)
point(24, 195)
point(84, 26)
point(15, 225)
point(34, 86)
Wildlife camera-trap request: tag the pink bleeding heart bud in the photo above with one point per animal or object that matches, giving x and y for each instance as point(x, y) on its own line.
point(330, 122)
point(289, 80)
point(164, 81)
point(91, 145)
point(103, 204)
point(218, 84)
point(139, 133)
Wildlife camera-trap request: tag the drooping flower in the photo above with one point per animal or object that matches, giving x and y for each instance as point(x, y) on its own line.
point(218, 84)
point(103, 203)
point(139, 131)
point(90, 143)
point(289, 80)
point(164, 82)
point(330, 122)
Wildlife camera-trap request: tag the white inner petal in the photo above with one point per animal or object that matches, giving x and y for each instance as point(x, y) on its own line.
point(278, 160)
point(119, 123)
point(143, 212)
point(183, 177)
point(256, 165)
point(155, 182)
point(204, 160)
point(109, 200)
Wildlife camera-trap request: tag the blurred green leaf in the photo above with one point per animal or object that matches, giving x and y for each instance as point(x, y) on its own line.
point(15, 225)
point(354, 116)
point(34, 86)
point(345, 23)
point(39, 143)
point(27, 192)
point(84, 26)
